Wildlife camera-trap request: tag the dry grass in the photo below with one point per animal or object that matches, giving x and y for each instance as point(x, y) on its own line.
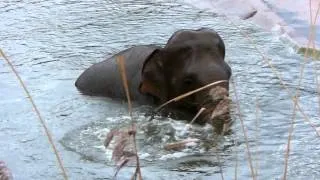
point(122, 70)
point(257, 136)
point(291, 129)
point(188, 94)
point(179, 145)
point(5, 173)
point(221, 108)
point(236, 164)
point(274, 70)
point(125, 150)
point(197, 115)
point(220, 166)
point(125, 139)
point(315, 54)
point(244, 131)
point(295, 97)
point(41, 120)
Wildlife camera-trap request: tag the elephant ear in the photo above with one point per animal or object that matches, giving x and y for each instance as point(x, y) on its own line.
point(153, 78)
point(221, 46)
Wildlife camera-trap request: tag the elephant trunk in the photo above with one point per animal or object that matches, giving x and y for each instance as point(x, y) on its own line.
point(216, 103)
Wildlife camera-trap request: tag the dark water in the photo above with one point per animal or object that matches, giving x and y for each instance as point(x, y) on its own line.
point(52, 42)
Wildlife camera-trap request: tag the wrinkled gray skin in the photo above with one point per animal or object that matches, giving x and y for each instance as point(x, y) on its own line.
point(104, 79)
point(190, 59)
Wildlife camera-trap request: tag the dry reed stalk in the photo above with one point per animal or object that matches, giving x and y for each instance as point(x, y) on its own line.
point(316, 75)
point(219, 162)
point(286, 158)
point(188, 94)
point(221, 108)
point(236, 165)
point(257, 135)
point(41, 120)
point(5, 173)
point(182, 144)
point(197, 115)
point(122, 69)
point(274, 71)
point(310, 12)
point(291, 129)
point(121, 64)
point(236, 154)
point(179, 145)
point(243, 130)
point(318, 89)
point(314, 54)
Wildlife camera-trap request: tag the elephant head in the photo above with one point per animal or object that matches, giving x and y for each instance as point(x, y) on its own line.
point(191, 59)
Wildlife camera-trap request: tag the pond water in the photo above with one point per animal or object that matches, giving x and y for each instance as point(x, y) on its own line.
point(51, 42)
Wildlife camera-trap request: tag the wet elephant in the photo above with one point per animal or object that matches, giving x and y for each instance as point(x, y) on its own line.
point(104, 79)
point(189, 60)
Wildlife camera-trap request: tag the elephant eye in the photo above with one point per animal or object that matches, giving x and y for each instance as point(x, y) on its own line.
point(188, 81)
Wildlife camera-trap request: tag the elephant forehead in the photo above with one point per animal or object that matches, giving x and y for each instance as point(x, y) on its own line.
point(187, 35)
point(207, 72)
point(174, 80)
point(201, 61)
point(202, 72)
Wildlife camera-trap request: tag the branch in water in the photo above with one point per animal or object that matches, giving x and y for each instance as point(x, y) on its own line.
point(5, 173)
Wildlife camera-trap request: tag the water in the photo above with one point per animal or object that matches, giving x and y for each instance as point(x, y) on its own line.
point(52, 42)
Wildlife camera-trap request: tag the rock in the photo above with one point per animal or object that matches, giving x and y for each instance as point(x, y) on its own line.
point(5, 173)
point(292, 16)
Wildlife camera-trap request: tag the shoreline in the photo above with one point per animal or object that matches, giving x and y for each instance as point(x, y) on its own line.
point(289, 19)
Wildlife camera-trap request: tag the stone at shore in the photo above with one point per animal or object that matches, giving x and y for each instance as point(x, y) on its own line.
point(289, 18)
point(5, 173)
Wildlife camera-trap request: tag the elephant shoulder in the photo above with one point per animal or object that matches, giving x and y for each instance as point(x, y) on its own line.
point(104, 79)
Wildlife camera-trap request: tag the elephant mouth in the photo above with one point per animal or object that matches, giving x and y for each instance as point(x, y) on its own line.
point(213, 97)
point(216, 107)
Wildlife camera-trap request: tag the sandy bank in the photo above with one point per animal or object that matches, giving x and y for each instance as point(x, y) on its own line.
point(289, 18)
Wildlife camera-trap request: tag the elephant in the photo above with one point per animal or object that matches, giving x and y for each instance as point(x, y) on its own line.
point(189, 60)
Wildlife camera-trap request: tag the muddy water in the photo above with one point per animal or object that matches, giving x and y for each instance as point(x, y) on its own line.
point(52, 42)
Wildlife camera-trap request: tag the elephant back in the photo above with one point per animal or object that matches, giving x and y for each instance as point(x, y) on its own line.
point(104, 79)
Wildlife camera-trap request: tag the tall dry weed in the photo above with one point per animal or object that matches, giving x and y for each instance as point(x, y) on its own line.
point(125, 150)
point(41, 120)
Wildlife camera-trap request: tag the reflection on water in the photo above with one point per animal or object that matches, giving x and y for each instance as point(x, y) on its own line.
point(52, 42)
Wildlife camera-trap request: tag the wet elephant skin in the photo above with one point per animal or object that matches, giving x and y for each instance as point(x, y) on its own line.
point(189, 60)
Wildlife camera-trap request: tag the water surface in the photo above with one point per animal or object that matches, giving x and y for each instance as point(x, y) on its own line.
point(52, 42)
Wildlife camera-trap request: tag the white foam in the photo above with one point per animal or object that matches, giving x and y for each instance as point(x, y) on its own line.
point(173, 156)
point(144, 155)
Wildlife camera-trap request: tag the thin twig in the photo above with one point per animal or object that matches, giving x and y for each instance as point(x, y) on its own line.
point(219, 162)
point(236, 165)
point(257, 135)
point(314, 53)
point(5, 173)
point(318, 89)
point(310, 11)
point(243, 130)
point(197, 115)
point(41, 120)
point(121, 64)
point(185, 95)
point(291, 129)
point(274, 71)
